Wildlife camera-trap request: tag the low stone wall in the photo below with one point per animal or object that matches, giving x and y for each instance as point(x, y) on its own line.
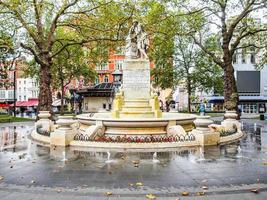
point(40, 138)
point(174, 137)
point(231, 138)
point(134, 145)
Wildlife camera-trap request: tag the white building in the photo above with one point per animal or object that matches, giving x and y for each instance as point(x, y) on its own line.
point(27, 88)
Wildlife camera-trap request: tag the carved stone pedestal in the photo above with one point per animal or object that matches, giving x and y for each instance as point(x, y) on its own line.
point(230, 121)
point(65, 133)
point(44, 122)
point(203, 133)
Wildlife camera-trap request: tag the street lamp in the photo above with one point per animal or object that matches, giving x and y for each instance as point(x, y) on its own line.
point(14, 91)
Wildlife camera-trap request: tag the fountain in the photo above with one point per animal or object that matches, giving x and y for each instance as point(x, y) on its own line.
point(136, 115)
point(136, 121)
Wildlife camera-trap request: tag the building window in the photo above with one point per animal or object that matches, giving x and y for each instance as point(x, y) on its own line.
point(235, 58)
point(2, 94)
point(24, 89)
point(102, 66)
point(10, 94)
point(119, 64)
point(106, 79)
point(24, 97)
point(252, 58)
point(243, 57)
point(20, 97)
point(104, 106)
point(25, 82)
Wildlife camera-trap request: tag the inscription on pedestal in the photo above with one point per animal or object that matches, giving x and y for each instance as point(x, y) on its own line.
point(136, 79)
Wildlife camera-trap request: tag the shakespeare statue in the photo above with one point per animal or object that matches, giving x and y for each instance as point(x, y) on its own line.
point(137, 42)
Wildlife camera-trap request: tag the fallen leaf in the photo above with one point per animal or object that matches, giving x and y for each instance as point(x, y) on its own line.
point(108, 193)
point(185, 193)
point(254, 190)
point(205, 187)
point(135, 162)
point(136, 165)
point(200, 193)
point(264, 163)
point(130, 184)
point(150, 196)
point(109, 172)
point(139, 184)
point(1, 178)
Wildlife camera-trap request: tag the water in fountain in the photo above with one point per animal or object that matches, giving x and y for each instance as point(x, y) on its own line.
point(64, 157)
point(155, 160)
point(109, 160)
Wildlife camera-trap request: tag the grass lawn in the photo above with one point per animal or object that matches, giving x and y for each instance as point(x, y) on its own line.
point(9, 118)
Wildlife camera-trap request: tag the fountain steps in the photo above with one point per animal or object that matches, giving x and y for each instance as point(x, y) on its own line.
point(139, 108)
point(136, 114)
point(136, 103)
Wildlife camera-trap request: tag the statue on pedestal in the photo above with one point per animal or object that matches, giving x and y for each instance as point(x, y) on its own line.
point(137, 42)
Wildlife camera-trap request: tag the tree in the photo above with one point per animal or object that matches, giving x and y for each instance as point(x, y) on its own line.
point(193, 69)
point(70, 64)
point(235, 23)
point(39, 21)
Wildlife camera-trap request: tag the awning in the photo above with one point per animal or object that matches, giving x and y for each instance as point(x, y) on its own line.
point(3, 105)
point(29, 103)
point(220, 99)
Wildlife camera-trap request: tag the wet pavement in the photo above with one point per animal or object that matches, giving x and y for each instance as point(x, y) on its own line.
point(26, 163)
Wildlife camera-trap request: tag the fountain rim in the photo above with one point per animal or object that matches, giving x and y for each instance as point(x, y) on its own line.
point(164, 118)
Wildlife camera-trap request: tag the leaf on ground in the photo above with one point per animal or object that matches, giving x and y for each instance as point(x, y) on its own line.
point(200, 193)
point(139, 184)
point(130, 184)
point(185, 193)
point(205, 187)
point(136, 165)
point(254, 190)
point(264, 163)
point(108, 193)
point(1, 178)
point(135, 162)
point(150, 196)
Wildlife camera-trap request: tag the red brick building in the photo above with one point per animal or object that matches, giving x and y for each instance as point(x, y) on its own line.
point(106, 71)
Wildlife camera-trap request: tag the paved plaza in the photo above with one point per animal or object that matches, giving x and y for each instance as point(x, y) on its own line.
point(30, 170)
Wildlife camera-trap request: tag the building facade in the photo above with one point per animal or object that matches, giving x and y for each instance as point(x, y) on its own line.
point(27, 88)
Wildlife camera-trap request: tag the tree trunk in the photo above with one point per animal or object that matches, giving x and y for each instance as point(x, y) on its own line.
point(230, 89)
point(45, 95)
point(62, 98)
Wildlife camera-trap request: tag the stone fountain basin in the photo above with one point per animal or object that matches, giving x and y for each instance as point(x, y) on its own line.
point(147, 126)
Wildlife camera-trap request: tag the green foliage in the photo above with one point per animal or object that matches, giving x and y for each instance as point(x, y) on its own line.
point(71, 63)
point(8, 56)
